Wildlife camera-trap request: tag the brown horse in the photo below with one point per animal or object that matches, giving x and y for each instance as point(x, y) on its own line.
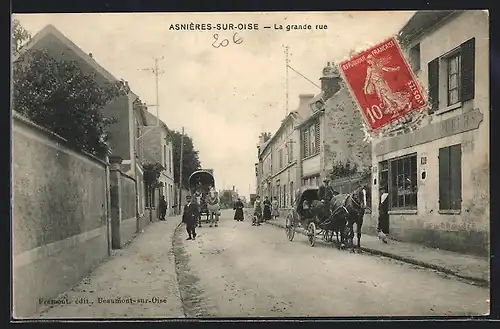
point(347, 210)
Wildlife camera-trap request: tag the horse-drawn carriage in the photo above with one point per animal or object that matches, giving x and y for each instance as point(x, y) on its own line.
point(327, 220)
point(202, 186)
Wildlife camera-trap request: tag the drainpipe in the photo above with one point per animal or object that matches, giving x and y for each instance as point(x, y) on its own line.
point(107, 204)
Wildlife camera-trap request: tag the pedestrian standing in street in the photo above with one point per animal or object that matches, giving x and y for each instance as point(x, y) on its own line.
point(275, 208)
point(257, 212)
point(162, 207)
point(383, 216)
point(266, 215)
point(190, 217)
point(238, 210)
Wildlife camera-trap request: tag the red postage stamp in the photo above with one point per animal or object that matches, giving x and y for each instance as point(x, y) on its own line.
point(383, 84)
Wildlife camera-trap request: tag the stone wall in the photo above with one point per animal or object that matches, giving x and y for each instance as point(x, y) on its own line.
point(59, 215)
point(343, 134)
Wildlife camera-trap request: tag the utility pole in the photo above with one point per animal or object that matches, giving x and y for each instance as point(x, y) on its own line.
point(286, 80)
point(156, 71)
point(180, 169)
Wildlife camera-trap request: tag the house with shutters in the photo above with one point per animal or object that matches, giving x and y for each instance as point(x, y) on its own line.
point(276, 171)
point(156, 146)
point(331, 133)
point(437, 175)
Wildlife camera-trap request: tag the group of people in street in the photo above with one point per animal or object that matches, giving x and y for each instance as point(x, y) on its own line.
point(264, 210)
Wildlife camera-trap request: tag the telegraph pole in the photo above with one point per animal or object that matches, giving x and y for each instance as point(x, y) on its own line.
point(286, 80)
point(180, 169)
point(156, 71)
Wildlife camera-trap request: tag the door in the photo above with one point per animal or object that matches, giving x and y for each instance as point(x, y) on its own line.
point(383, 187)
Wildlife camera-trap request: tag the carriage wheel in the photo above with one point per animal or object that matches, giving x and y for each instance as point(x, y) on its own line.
point(290, 229)
point(311, 234)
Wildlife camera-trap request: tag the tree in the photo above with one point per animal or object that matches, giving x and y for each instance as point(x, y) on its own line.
point(226, 198)
point(19, 37)
point(57, 95)
point(191, 162)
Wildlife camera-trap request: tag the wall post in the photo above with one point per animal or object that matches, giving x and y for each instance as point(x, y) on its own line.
point(116, 201)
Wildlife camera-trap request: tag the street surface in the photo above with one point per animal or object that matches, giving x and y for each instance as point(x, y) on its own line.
point(240, 270)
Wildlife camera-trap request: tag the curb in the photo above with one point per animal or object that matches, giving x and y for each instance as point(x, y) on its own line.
point(477, 281)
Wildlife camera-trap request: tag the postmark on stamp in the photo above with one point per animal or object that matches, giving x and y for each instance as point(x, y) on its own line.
point(383, 85)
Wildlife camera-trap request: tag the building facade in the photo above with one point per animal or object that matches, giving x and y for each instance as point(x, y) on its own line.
point(438, 175)
point(332, 134)
point(157, 148)
point(278, 159)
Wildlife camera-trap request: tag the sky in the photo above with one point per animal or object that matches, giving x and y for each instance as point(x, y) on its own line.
point(223, 97)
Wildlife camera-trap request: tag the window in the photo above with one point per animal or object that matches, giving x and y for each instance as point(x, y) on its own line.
point(290, 151)
point(165, 162)
point(311, 138)
point(415, 57)
point(451, 77)
point(150, 196)
point(170, 169)
point(450, 177)
point(280, 158)
point(453, 72)
point(403, 182)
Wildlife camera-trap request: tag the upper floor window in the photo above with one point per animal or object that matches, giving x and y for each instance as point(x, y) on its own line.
point(453, 74)
point(311, 140)
point(451, 77)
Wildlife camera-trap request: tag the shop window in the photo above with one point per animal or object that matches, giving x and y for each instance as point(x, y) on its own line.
point(403, 182)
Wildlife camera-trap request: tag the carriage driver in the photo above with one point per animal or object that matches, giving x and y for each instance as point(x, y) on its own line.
point(325, 194)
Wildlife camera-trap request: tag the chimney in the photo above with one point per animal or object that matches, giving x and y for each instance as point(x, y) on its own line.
point(330, 81)
point(91, 56)
point(304, 99)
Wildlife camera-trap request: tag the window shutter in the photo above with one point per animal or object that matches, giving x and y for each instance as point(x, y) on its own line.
point(467, 74)
point(433, 77)
point(306, 142)
point(317, 137)
point(456, 177)
point(444, 178)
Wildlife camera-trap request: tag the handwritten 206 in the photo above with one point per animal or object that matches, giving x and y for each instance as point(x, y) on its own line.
point(217, 43)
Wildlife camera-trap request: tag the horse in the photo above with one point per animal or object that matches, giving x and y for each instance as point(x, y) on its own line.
point(352, 207)
point(213, 210)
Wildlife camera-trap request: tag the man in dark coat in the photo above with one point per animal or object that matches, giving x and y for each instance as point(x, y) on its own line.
point(163, 207)
point(325, 195)
point(190, 217)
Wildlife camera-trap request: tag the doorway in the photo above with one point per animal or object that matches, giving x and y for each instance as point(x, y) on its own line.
point(383, 187)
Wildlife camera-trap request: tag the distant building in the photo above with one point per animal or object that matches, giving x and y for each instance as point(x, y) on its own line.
point(438, 175)
point(157, 148)
point(278, 162)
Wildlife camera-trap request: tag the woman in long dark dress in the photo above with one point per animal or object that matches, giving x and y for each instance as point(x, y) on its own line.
point(238, 211)
point(383, 216)
point(266, 214)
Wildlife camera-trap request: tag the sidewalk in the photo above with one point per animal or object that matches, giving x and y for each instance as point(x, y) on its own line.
point(144, 269)
point(467, 267)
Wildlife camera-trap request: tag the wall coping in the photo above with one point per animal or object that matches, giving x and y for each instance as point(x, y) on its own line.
point(18, 118)
point(126, 175)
